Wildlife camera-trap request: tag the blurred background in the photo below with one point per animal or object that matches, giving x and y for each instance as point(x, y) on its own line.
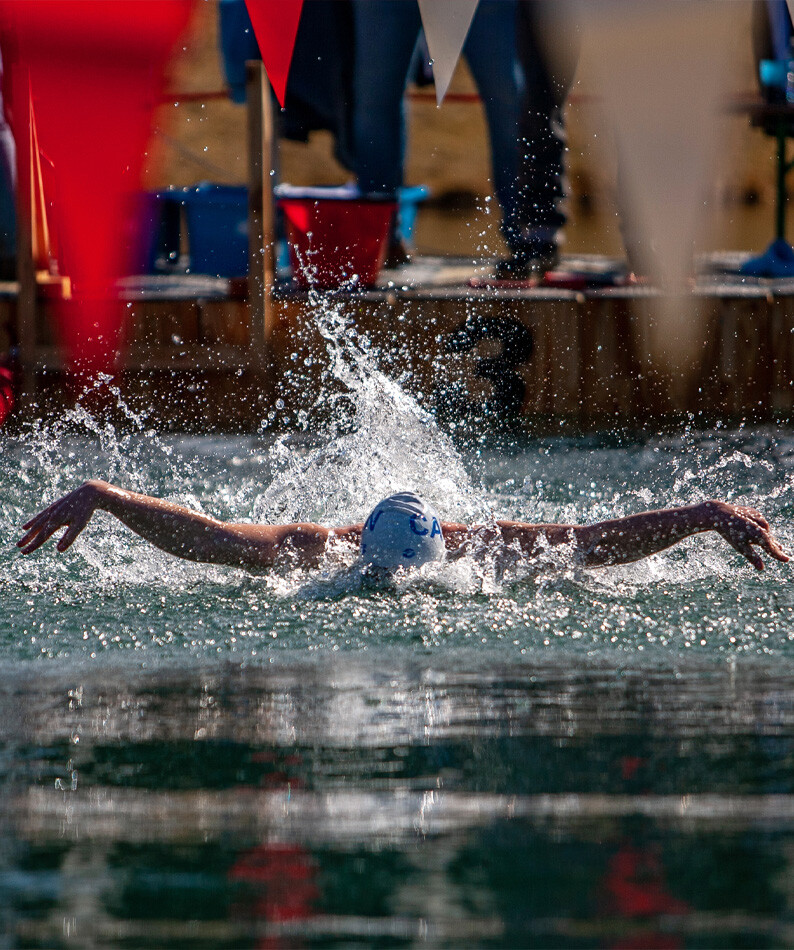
point(203, 138)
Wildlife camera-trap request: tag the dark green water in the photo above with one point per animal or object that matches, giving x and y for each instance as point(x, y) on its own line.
point(442, 802)
point(473, 756)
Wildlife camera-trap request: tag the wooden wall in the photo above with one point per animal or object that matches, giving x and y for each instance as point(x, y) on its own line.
point(492, 357)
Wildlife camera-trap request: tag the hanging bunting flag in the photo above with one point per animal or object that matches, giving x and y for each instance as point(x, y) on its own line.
point(89, 73)
point(275, 25)
point(446, 24)
point(661, 74)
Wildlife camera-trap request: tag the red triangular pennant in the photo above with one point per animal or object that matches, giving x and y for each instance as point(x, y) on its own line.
point(93, 71)
point(275, 25)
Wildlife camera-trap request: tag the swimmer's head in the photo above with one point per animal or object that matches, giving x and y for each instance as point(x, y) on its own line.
point(402, 531)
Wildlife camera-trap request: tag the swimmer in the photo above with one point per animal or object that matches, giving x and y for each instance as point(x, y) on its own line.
point(400, 531)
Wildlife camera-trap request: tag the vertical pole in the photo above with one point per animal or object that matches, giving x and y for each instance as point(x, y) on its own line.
point(27, 301)
point(780, 209)
point(26, 313)
point(261, 211)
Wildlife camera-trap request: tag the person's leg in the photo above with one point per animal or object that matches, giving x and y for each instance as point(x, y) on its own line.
point(385, 36)
point(549, 54)
point(237, 44)
point(490, 51)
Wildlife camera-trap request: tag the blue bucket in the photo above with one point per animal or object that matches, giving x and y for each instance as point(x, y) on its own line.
point(216, 218)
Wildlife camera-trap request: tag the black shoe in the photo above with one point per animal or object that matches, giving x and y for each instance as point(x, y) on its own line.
point(525, 264)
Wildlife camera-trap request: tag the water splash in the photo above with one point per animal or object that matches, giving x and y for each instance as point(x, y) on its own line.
point(379, 440)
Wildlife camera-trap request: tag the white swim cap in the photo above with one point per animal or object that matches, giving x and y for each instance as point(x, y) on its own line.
point(402, 531)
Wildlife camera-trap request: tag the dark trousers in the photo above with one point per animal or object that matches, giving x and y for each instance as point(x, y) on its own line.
point(548, 51)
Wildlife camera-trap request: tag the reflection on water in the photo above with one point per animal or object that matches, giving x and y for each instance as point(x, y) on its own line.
point(394, 803)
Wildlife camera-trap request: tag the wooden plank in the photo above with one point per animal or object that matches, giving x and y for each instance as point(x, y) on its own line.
point(224, 322)
point(261, 210)
point(552, 373)
point(501, 358)
point(737, 376)
point(612, 379)
point(26, 311)
point(143, 358)
point(589, 362)
point(165, 323)
point(782, 335)
point(187, 358)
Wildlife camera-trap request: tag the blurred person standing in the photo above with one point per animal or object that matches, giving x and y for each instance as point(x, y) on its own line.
point(772, 36)
point(386, 34)
point(319, 85)
point(547, 43)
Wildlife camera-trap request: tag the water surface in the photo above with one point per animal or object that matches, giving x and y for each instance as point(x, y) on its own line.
point(477, 754)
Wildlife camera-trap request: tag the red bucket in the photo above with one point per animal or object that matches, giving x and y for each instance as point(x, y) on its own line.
point(336, 241)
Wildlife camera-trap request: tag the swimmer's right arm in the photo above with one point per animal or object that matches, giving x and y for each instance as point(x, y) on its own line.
point(175, 529)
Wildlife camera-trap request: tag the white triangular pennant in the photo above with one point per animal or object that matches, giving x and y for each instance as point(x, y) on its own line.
point(662, 72)
point(446, 24)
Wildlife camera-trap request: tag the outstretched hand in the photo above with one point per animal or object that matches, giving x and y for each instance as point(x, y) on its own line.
point(743, 528)
point(72, 511)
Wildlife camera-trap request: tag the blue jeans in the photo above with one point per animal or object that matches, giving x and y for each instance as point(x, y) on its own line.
point(386, 32)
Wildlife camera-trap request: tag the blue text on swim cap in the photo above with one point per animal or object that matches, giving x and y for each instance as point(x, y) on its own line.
point(414, 528)
point(435, 528)
point(373, 519)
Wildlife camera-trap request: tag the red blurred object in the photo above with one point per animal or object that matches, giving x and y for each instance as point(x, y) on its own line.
point(91, 71)
point(337, 242)
point(629, 766)
point(6, 393)
point(278, 886)
point(635, 885)
point(634, 889)
point(275, 24)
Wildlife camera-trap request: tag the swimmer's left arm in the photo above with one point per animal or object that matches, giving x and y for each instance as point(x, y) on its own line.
point(622, 540)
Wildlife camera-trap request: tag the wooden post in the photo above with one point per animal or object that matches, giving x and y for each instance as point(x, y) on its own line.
point(27, 301)
point(261, 211)
point(780, 181)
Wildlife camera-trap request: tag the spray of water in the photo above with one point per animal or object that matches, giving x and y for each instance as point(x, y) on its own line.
point(379, 440)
